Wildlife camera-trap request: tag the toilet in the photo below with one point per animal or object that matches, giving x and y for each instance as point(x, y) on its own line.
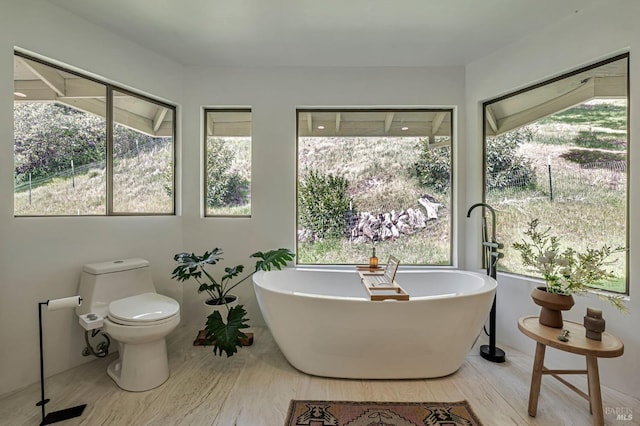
point(122, 294)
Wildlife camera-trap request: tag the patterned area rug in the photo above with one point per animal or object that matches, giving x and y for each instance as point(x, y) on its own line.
point(352, 413)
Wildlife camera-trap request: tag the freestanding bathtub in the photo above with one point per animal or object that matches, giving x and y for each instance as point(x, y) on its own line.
point(325, 325)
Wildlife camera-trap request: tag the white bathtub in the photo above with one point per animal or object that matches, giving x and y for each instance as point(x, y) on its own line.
point(325, 325)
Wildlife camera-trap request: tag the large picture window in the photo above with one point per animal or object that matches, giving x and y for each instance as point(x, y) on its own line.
point(85, 147)
point(558, 152)
point(374, 178)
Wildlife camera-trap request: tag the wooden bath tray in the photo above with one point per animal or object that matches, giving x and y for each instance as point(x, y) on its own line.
point(382, 291)
point(369, 269)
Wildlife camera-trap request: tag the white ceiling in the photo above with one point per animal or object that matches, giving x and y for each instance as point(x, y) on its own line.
point(273, 33)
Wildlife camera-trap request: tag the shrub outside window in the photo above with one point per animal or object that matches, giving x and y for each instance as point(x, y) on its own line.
point(85, 147)
point(374, 178)
point(558, 152)
point(227, 154)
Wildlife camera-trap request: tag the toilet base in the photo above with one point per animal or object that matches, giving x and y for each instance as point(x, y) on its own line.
point(140, 367)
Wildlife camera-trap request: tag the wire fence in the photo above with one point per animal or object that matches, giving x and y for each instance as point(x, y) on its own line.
point(70, 173)
point(97, 168)
point(606, 178)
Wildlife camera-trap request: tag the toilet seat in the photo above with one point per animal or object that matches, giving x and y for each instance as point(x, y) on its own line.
point(145, 309)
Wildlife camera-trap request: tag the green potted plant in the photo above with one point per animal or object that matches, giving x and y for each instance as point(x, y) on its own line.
point(225, 335)
point(565, 272)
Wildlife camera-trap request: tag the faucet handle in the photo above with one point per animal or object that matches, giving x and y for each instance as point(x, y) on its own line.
point(493, 245)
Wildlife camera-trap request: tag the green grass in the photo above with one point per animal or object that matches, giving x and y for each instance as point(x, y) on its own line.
point(418, 249)
point(140, 186)
point(243, 210)
point(585, 212)
point(611, 115)
point(599, 139)
point(358, 159)
point(587, 156)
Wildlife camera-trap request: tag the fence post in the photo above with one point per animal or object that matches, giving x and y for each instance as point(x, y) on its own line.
point(550, 178)
point(73, 175)
point(29, 188)
point(350, 221)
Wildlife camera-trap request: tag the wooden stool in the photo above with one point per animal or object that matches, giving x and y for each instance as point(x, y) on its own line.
point(609, 347)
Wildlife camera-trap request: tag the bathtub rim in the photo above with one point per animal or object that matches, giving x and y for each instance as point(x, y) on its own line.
point(489, 284)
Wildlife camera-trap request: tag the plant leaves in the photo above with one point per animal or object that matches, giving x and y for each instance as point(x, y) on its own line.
point(567, 271)
point(232, 272)
point(204, 287)
point(226, 337)
point(273, 259)
point(192, 265)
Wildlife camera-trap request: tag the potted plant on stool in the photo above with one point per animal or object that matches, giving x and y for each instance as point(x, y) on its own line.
point(225, 336)
point(565, 272)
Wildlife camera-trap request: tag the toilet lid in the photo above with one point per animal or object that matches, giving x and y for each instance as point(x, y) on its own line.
point(146, 307)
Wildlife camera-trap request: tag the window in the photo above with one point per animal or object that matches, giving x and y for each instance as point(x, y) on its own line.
point(227, 153)
point(374, 178)
point(558, 152)
point(85, 147)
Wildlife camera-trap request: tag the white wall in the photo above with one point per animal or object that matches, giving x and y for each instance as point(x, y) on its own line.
point(41, 258)
point(586, 37)
point(274, 94)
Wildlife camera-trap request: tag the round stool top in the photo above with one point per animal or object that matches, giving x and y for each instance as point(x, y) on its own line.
point(609, 347)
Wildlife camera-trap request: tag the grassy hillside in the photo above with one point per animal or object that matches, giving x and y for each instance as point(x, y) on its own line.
point(379, 169)
point(140, 185)
point(589, 182)
point(380, 172)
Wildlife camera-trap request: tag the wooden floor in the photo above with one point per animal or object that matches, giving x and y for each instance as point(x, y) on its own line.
point(254, 388)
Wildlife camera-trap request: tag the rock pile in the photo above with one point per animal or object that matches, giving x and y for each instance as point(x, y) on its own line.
point(383, 226)
point(366, 227)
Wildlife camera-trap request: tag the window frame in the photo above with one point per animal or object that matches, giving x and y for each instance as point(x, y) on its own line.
point(543, 83)
point(452, 213)
point(109, 123)
point(205, 182)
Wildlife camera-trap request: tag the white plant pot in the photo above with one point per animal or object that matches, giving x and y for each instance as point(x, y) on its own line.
point(196, 309)
point(223, 309)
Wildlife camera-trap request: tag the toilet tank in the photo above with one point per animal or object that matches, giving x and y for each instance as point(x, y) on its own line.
point(101, 283)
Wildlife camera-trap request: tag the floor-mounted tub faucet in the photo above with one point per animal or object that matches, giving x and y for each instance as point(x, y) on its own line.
point(489, 248)
point(490, 256)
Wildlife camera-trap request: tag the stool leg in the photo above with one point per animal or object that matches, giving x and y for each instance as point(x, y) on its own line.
point(589, 390)
point(536, 379)
point(595, 398)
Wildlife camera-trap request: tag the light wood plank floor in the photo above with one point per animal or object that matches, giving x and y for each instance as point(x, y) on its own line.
point(254, 388)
